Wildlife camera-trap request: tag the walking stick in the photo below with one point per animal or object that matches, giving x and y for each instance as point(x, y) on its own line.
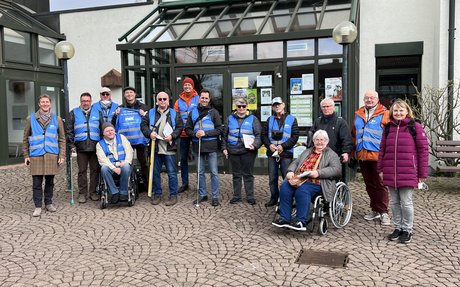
point(198, 170)
point(152, 156)
point(72, 199)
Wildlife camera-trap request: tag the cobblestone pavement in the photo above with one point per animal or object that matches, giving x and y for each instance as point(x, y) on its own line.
point(231, 245)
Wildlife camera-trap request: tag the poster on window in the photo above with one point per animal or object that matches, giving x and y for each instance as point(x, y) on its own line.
point(265, 113)
point(307, 82)
point(300, 147)
point(240, 82)
point(333, 88)
point(250, 95)
point(266, 96)
point(296, 86)
point(264, 81)
point(302, 109)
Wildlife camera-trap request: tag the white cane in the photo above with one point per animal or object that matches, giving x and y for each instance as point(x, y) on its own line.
point(198, 171)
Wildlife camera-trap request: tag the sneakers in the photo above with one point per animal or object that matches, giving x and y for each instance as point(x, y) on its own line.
point(235, 200)
point(94, 196)
point(279, 222)
point(385, 219)
point(171, 201)
point(299, 226)
point(215, 202)
point(395, 235)
point(251, 201)
point(156, 199)
point(50, 208)
point(37, 212)
point(372, 215)
point(201, 199)
point(405, 237)
point(183, 188)
point(272, 202)
point(115, 198)
point(81, 198)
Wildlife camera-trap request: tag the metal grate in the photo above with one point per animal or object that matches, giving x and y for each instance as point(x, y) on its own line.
point(324, 258)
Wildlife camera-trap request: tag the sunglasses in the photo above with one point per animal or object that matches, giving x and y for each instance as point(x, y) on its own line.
point(105, 94)
point(241, 106)
point(162, 99)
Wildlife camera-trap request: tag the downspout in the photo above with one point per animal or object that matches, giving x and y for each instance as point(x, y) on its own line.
point(450, 69)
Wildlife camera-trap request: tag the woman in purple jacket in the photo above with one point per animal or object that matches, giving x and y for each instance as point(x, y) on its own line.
point(403, 163)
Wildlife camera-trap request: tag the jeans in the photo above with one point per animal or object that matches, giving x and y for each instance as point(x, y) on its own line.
point(378, 193)
point(37, 188)
point(242, 169)
point(107, 174)
point(402, 207)
point(211, 158)
point(83, 160)
point(303, 195)
point(184, 151)
point(273, 175)
point(170, 162)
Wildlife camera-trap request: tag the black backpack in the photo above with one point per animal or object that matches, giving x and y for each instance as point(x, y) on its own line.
point(410, 126)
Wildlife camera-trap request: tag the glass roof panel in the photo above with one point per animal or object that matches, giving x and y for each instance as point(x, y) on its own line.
point(189, 15)
point(152, 34)
point(332, 18)
point(304, 22)
point(249, 27)
point(197, 31)
point(276, 24)
point(172, 33)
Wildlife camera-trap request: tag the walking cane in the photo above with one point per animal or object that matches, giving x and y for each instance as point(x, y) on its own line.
point(72, 199)
point(152, 156)
point(198, 170)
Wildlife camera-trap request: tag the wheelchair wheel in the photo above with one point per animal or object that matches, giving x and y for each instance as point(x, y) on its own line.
point(101, 190)
point(323, 225)
point(132, 189)
point(341, 207)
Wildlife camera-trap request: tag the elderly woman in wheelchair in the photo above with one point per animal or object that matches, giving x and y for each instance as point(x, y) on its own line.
point(313, 173)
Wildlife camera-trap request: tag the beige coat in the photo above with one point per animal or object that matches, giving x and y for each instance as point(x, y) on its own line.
point(46, 164)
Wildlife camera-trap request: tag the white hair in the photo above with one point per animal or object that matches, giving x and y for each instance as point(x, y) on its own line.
point(327, 101)
point(322, 133)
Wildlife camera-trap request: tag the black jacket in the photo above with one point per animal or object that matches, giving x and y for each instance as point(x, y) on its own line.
point(146, 131)
point(338, 132)
point(206, 145)
point(239, 147)
point(290, 143)
point(81, 146)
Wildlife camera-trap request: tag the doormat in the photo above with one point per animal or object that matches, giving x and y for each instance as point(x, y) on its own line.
point(323, 258)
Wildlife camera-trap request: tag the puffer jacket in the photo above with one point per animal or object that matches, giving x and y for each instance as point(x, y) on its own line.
point(402, 160)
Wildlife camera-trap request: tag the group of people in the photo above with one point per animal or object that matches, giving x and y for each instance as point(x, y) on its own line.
point(104, 135)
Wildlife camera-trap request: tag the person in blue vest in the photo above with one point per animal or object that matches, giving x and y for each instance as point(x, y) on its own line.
point(240, 141)
point(205, 123)
point(44, 150)
point(187, 101)
point(115, 155)
point(83, 134)
point(279, 136)
point(127, 121)
point(105, 106)
point(164, 125)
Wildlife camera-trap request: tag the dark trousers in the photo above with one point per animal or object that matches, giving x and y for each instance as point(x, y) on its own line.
point(243, 169)
point(141, 153)
point(377, 192)
point(273, 175)
point(184, 152)
point(37, 187)
point(83, 160)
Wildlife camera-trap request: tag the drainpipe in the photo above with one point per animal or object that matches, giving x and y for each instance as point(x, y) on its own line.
point(450, 70)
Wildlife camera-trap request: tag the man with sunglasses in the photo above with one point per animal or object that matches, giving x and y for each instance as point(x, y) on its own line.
point(105, 106)
point(163, 126)
point(279, 136)
point(240, 142)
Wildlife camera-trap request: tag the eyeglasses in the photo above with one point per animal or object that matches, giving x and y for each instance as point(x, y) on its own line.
point(105, 94)
point(329, 106)
point(241, 106)
point(162, 99)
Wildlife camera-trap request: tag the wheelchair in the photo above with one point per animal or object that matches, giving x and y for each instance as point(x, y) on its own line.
point(339, 210)
point(103, 192)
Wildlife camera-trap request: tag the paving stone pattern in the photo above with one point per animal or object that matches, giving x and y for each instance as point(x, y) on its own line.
point(229, 245)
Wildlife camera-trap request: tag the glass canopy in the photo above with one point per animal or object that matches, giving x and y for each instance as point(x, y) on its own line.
point(204, 20)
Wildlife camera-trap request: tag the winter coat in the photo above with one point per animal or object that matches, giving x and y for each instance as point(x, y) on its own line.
point(338, 132)
point(329, 169)
point(239, 147)
point(402, 160)
point(367, 155)
point(206, 145)
point(46, 164)
point(187, 98)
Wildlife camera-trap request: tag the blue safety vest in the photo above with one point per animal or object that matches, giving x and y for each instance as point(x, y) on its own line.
point(172, 113)
point(129, 124)
point(184, 110)
point(107, 115)
point(235, 131)
point(206, 124)
point(83, 127)
point(43, 141)
point(286, 129)
point(369, 135)
point(120, 149)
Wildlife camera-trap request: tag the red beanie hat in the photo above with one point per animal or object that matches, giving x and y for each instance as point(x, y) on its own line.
point(188, 81)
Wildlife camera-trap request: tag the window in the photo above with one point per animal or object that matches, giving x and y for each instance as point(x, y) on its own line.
point(46, 51)
point(17, 46)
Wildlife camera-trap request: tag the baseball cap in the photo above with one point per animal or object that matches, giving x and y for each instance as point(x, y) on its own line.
point(277, 100)
point(129, 88)
point(105, 90)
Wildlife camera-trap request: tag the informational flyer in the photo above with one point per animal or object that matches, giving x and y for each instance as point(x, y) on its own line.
point(333, 88)
point(300, 147)
point(266, 96)
point(251, 98)
point(265, 113)
point(307, 82)
point(240, 82)
point(302, 109)
point(296, 86)
point(264, 81)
